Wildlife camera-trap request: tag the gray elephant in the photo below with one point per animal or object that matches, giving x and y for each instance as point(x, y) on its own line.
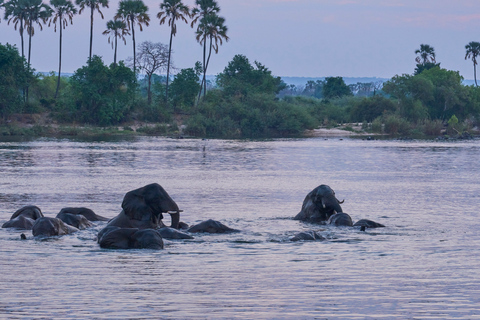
point(75, 220)
point(307, 236)
point(340, 219)
point(319, 205)
point(86, 212)
point(24, 218)
point(130, 238)
point(47, 227)
point(211, 226)
point(344, 219)
point(143, 208)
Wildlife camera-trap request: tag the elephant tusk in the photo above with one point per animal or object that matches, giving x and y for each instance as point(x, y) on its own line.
point(172, 212)
point(323, 204)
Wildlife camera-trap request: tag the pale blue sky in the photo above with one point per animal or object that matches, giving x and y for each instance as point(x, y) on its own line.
point(308, 38)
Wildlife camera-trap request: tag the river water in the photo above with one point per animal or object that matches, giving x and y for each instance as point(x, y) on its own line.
point(424, 265)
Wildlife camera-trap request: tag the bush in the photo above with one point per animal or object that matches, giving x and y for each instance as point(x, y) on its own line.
point(396, 125)
point(432, 127)
point(368, 109)
point(101, 95)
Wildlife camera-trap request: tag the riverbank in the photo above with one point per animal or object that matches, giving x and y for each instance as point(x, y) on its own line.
point(42, 125)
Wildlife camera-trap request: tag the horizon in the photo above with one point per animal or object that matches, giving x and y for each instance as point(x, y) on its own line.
point(347, 38)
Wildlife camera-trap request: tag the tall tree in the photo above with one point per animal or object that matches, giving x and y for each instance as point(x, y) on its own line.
point(426, 54)
point(174, 10)
point(1, 5)
point(473, 51)
point(38, 13)
point(15, 12)
point(118, 30)
point(151, 57)
point(14, 76)
point(211, 28)
point(64, 11)
point(202, 9)
point(93, 5)
point(133, 11)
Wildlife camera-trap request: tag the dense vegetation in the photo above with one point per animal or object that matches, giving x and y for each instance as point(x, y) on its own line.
point(245, 100)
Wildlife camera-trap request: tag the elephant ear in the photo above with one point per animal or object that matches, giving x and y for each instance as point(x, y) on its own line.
point(135, 206)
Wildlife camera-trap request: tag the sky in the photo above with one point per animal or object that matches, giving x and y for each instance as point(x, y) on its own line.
point(294, 38)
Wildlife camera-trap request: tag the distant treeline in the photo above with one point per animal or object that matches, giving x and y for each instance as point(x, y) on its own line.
point(245, 101)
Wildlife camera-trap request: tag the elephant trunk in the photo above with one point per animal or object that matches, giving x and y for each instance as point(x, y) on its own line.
point(332, 204)
point(175, 219)
point(336, 206)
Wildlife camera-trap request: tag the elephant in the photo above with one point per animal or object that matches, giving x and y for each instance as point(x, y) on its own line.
point(48, 227)
point(19, 222)
point(340, 219)
point(365, 223)
point(75, 220)
point(211, 226)
point(143, 208)
point(24, 218)
point(86, 212)
point(307, 236)
point(130, 238)
point(344, 219)
point(170, 233)
point(319, 205)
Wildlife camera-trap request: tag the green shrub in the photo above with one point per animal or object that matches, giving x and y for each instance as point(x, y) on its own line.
point(432, 127)
point(377, 125)
point(396, 125)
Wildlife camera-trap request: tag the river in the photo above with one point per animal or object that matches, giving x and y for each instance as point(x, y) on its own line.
point(425, 264)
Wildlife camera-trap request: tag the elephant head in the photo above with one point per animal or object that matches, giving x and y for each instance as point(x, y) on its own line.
point(32, 212)
point(148, 203)
point(319, 205)
point(24, 218)
point(48, 227)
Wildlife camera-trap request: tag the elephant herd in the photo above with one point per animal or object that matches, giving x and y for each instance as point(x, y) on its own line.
point(140, 223)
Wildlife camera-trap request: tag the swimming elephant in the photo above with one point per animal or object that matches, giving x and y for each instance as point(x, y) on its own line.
point(340, 219)
point(170, 233)
point(86, 212)
point(143, 208)
point(319, 205)
point(307, 236)
point(211, 226)
point(48, 227)
point(130, 238)
point(344, 219)
point(75, 220)
point(24, 218)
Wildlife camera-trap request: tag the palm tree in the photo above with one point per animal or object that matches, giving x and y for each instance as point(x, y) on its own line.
point(473, 50)
point(211, 27)
point(133, 11)
point(204, 8)
point(37, 12)
point(15, 12)
point(426, 54)
point(175, 10)
point(1, 5)
point(118, 30)
point(93, 5)
point(64, 12)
